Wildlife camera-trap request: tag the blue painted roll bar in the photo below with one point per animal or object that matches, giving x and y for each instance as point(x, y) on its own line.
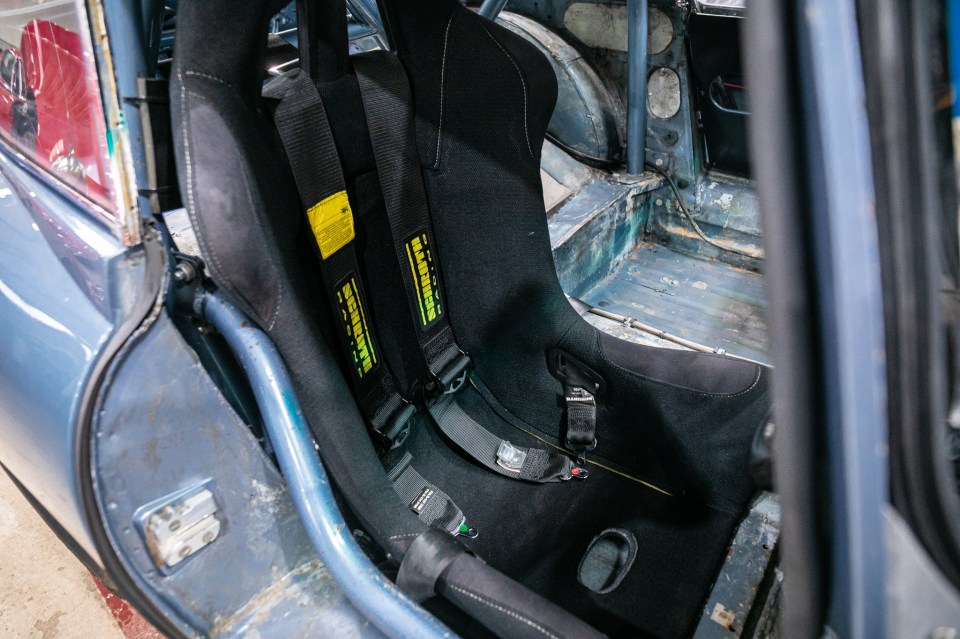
point(375, 597)
point(953, 44)
point(492, 8)
point(636, 85)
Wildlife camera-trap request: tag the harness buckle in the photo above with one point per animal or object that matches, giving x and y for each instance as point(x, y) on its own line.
point(467, 531)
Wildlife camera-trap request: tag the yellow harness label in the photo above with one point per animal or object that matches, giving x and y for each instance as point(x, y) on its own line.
point(331, 221)
point(424, 272)
point(355, 326)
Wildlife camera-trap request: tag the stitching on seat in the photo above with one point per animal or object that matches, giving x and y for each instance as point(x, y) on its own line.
point(443, 72)
point(661, 382)
point(208, 76)
point(507, 611)
point(526, 133)
point(192, 205)
point(276, 312)
point(404, 536)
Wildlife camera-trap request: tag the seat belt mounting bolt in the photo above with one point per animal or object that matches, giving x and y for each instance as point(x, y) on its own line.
point(467, 531)
point(578, 471)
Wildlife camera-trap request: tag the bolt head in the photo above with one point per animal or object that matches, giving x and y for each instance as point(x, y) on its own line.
point(184, 272)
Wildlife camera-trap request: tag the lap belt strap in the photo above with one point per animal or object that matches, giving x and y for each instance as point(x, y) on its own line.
point(433, 506)
point(499, 455)
point(305, 131)
point(387, 104)
point(426, 559)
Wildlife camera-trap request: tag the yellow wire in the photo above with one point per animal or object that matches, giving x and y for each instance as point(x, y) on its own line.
point(593, 463)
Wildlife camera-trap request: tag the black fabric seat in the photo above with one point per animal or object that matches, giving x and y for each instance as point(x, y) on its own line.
point(674, 427)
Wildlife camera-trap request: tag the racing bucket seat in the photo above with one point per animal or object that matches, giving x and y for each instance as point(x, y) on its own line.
point(381, 216)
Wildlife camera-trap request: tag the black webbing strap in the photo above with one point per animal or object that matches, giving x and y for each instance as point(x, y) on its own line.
point(578, 393)
point(539, 465)
point(305, 131)
point(431, 505)
point(388, 107)
point(581, 386)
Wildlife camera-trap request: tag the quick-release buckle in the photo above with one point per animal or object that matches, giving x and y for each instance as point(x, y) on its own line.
point(579, 471)
point(465, 530)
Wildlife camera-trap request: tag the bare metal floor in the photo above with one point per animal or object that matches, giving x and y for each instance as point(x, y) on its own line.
point(713, 304)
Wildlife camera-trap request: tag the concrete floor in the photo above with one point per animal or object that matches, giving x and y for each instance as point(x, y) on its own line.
point(46, 593)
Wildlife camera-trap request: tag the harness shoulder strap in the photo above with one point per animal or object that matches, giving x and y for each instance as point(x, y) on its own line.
point(305, 131)
point(386, 101)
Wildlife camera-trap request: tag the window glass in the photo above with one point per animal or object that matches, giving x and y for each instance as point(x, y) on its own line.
point(6, 66)
point(50, 107)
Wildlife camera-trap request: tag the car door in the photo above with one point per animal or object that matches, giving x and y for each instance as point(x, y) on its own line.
point(71, 270)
